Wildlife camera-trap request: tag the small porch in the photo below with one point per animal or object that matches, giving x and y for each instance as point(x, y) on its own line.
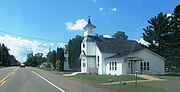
point(133, 64)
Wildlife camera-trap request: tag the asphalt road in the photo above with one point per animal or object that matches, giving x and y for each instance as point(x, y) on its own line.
point(15, 79)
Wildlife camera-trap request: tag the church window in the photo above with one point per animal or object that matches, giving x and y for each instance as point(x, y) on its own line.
point(83, 45)
point(109, 65)
point(144, 65)
point(84, 64)
point(115, 65)
point(98, 61)
point(147, 65)
point(112, 65)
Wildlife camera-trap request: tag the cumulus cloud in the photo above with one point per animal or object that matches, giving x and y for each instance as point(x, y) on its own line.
point(21, 47)
point(113, 9)
point(142, 41)
point(168, 15)
point(101, 9)
point(106, 36)
point(79, 25)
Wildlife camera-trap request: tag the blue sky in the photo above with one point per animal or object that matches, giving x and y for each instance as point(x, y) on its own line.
point(61, 20)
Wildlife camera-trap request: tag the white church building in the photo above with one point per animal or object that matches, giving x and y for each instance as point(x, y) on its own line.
point(110, 56)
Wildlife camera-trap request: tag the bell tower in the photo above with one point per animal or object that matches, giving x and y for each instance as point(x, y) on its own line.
point(89, 29)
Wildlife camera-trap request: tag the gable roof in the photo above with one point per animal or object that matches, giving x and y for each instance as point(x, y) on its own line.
point(84, 54)
point(118, 46)
point(119, 55)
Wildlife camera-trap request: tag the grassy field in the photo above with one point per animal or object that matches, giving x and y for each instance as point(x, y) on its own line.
point(172, 83)
point(2, 66)
point(97, 79)
point(142, 87)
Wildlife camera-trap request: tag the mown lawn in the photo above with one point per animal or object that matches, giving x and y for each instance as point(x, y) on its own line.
point(160, 86)
point(171, 84)
point(97, 79)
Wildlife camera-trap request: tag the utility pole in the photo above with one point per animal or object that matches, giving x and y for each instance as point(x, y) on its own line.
point(136, 78)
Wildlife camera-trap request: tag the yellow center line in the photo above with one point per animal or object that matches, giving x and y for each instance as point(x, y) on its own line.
point(3, 83)
point(3, 80)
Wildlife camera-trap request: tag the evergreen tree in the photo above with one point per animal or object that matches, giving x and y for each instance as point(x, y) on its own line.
point(163, 34)
point(60, 57)
point(74, 50)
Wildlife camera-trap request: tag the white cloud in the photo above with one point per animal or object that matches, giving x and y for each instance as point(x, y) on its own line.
point(168, 15)
point(61, 44)
point(113, 9)
point(93, 1)
point(106, 36)
point(142, 41)
point(101, 9)
point(79, 25)
point(21, 47)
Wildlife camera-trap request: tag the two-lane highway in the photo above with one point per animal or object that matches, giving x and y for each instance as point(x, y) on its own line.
point(31, 79)
point(24, 80)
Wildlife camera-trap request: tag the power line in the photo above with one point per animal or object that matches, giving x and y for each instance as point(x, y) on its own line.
point(32, 37)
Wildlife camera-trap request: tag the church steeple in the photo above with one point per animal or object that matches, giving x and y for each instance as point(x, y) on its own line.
point(89, 29)
point(89, 20)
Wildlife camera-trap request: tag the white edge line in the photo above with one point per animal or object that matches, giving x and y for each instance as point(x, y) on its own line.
point(48, 81)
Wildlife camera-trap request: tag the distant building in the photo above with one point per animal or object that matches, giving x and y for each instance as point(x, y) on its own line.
point(66, 63)
point(112, 56)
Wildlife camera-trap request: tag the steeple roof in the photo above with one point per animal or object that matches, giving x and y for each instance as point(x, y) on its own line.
point(90, 24)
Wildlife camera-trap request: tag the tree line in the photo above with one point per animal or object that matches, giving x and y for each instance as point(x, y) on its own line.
point(163, 36)
point(5, 58)
point(55, 57)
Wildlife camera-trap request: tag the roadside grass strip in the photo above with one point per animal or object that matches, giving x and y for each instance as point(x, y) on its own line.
point(2, 82)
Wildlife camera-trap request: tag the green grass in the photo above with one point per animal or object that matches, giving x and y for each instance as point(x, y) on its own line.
point(44, 68)
point(169, 77)
point(61, 72)
point(97, 79)
point(55, 71)
point(2, 66)
point(170, 85)
point(142, 87)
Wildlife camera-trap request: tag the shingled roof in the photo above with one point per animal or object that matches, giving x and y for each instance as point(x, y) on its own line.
point(118, 46)
point(89, 24)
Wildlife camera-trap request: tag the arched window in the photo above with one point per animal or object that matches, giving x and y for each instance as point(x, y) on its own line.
point(84, 64)
point(83, 45)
